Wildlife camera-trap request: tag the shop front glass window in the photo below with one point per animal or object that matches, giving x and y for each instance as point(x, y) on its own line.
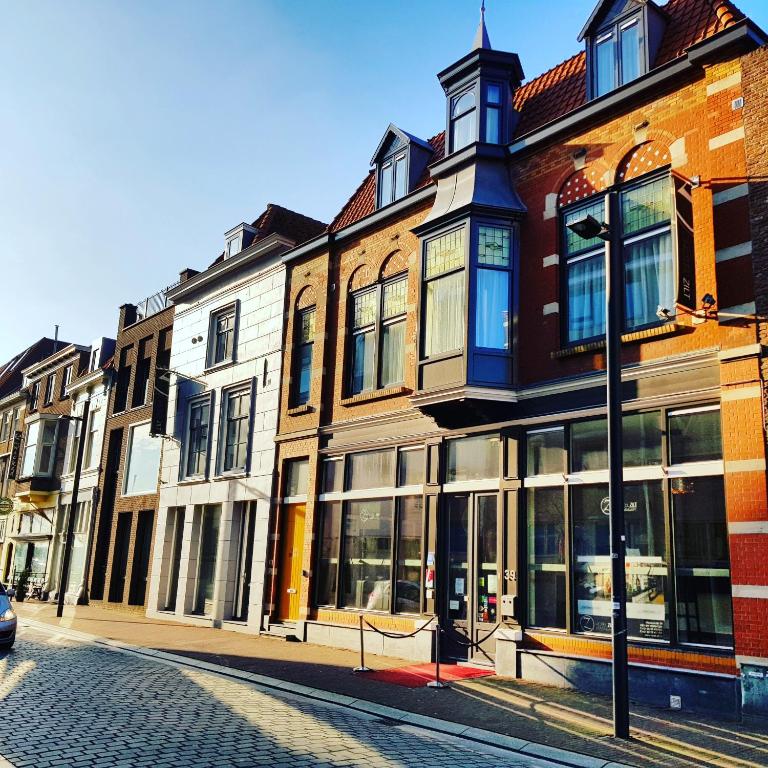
point(694, 435)
point(372, 469)
point(328, 563)
point(368, 555)
point(472, 458)
point(702, 562)
point(546, 451)
point(546, 558)
point(408, 577)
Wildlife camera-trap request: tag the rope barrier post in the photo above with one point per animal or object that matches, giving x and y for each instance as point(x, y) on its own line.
point(362, 667)
point(437, 683)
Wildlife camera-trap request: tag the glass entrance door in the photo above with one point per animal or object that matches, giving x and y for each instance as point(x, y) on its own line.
point(471, 589)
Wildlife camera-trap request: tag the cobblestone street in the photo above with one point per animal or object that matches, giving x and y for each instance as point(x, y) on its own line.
point(67, 703)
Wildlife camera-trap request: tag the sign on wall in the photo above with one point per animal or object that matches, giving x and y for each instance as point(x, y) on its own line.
point(13, 465)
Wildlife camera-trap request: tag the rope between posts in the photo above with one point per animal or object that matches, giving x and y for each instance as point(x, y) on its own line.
point(478, 643)
point(395, 635)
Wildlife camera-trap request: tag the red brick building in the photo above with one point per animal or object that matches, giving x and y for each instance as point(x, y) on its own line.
point(442, 439)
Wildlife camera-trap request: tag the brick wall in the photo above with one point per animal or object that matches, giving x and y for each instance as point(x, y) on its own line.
point(158, 328)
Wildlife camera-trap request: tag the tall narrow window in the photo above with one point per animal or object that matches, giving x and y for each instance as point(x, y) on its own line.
point(303, 363)
point(492, 309)
point(143, 365)
point(363, 341)
point(328, 556)
point(66, 378)
point(393, 179)
point(445, 301)
point(393, 312)
point(585, 270)
point(222, 344)
point(646, 216)
point(493, 113)
point(49, 382)
point(629, 35)
point(34, 395)
point(5, 426)
point(197, 438)
point(605, 69)
point(123, 379)
point(237, 410)
point(463, 118)
point(91, 453)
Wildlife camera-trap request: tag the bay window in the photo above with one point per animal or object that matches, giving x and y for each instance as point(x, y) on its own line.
point(40, 448)
point(378, 336)
point(494, 287)
point(444, 259)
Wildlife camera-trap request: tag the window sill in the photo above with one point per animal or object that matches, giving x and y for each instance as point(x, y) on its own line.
point(192, 481)
point(218, 366)
point(376, 394)
point(668, 329)
point(300, 410)
point(231, 476)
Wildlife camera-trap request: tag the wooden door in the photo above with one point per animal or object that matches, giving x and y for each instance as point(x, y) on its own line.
point(291, 554)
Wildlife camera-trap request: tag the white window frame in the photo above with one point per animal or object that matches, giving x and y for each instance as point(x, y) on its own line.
point(5, 426)
point(38, 445)
point(127, 463)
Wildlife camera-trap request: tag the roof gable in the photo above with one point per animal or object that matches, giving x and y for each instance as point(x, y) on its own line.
point(393, 139)
point(608, 10)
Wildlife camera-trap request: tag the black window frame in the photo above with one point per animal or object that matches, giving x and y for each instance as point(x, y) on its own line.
point(666, 482)
point(192, 402)
point(377, 326)
point(614, 29)
point(297, 396)
point(50, 386)
point(389, 164)
point(66, 378)
point(236, 390)
point(589, 251)
point(453, 119)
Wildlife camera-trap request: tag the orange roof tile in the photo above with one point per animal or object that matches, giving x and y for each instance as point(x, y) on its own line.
point(563, 88)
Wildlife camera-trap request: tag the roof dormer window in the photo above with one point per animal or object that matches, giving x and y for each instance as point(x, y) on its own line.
point(393, 178)
point(622, 38)
point(234, 245)
point(616, 57)
point(463, 120)
point(399, 162)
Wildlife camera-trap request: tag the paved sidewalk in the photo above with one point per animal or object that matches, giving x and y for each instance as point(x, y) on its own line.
point(561, 719)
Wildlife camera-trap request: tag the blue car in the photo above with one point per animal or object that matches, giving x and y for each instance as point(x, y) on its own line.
point(7, 619)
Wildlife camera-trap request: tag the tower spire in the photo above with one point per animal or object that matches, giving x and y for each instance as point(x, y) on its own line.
point(481, 36)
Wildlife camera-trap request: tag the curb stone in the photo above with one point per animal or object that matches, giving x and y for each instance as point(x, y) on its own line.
point(488, 738)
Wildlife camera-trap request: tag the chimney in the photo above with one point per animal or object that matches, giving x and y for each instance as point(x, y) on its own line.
point(187, 273)
point(55, 338)
point(128, 316)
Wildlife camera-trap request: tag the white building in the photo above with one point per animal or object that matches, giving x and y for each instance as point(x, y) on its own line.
point(216, 479)
point(93, 386)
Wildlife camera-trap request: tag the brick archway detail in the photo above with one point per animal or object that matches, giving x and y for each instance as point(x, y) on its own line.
point(306, 298)
point(395, 263)
point(642, 159)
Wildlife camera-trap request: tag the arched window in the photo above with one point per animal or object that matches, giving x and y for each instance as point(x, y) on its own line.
point(377, 346)
point(303, 346)
point(463, 131)
point(641, 231)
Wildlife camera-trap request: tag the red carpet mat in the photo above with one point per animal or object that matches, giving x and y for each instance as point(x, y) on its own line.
point(419, 675)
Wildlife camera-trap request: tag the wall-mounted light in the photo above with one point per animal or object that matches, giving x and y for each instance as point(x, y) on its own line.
point(590, 227)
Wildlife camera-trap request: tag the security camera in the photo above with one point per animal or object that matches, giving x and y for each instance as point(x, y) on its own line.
point(664, 314)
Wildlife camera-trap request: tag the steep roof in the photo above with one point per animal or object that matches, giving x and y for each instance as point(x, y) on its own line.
point(11, 377)
point(563, 88)
point(282, 221)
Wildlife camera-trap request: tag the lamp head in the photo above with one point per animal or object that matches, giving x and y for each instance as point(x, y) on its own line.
point(708, 301)
point(589, 227)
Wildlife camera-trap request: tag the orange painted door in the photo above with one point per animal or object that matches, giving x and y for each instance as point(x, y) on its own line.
point(291, 552)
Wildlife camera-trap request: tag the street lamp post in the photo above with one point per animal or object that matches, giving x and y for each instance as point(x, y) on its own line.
point(70, 532)
point(589, 228)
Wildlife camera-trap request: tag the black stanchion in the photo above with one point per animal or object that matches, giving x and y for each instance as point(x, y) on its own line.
point(362, 667)
point(437, 682)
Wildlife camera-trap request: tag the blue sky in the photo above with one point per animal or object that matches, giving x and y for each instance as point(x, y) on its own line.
point(134, 134)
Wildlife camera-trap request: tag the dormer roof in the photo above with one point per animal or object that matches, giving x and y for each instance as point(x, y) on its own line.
point(393, 139)
point(604, 6)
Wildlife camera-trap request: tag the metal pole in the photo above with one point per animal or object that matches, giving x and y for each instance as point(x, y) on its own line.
point(70, 533)
point(437, 683)
point(614, 326)
point(362, 667)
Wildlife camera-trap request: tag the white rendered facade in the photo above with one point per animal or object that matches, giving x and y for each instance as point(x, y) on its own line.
point(94, 387)
point(216, 478)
